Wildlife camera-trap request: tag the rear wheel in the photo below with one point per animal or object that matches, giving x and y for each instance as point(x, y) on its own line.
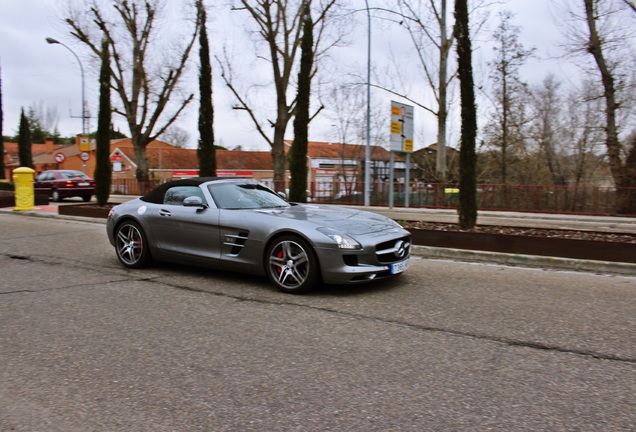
point(292, 265)
point(86, 198)
point(131, 245)
point(55, 195)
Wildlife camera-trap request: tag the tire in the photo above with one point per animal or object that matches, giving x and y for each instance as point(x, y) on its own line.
point(55, 196)
point(131, 245)
point(291, 265)
point(86, 198)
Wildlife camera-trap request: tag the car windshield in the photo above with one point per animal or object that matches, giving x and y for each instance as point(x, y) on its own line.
point(245, 196)
point(73, 174)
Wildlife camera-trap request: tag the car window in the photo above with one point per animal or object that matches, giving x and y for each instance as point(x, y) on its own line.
point(245, 196)
point(73, 174)
point(176, 195)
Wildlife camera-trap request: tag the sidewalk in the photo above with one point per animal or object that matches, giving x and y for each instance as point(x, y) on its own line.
point(611, 224)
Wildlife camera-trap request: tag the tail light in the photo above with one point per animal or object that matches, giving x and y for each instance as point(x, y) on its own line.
point(69, 183)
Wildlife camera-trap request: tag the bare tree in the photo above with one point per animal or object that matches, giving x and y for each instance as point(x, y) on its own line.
point(176, 136)
point(583, 133)
point(438, 73)
point(279, 32)
point(547, 126)
point(567, 128)
point(431, 31)
point(505, 131)
point(631, 4)
point(145, 81)
point(600, 46)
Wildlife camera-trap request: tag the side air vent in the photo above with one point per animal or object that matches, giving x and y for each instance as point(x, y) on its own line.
point(235, 241)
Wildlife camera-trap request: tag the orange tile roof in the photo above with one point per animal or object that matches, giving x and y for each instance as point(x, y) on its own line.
point(329, 150)
point(37, 150)
point(179, 158)
point(162, 155)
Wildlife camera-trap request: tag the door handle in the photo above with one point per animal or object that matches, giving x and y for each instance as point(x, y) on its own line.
point(164, 213)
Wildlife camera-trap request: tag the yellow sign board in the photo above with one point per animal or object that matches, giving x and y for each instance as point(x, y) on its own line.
point(84, 143)
point(408, 145)
point(396, 127)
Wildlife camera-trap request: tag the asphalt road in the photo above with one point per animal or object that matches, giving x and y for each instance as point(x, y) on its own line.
point(86, 345)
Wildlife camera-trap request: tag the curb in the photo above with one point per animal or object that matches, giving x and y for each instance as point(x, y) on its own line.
point(518, 260)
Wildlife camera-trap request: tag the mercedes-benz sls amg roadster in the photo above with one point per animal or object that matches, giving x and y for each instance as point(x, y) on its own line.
point(241, 225)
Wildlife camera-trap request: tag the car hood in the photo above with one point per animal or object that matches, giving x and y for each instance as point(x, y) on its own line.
point(349, 221)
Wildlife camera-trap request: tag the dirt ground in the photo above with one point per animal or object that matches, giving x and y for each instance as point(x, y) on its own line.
point(533, 232)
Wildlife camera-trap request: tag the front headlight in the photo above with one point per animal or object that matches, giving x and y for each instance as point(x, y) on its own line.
point(342, 240)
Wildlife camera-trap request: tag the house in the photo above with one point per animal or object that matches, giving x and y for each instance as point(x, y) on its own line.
point(12, 158)
point(329, 163)
point(337, 169)
point(327, 159)
point(426, 164)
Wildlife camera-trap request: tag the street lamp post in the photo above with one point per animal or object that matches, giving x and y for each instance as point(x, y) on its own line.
point(84, 116)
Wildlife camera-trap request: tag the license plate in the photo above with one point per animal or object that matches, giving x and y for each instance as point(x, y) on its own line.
point(399, 267)
point(82, 184)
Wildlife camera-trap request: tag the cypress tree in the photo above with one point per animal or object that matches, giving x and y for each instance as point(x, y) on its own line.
point(24, 142)
point(206, 152)
point(102, 164)
point(2, 176)
point(467, 157)
point(298, 151)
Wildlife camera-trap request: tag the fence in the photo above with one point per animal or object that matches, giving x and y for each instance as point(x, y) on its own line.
point(584, 200)
point(132, 186)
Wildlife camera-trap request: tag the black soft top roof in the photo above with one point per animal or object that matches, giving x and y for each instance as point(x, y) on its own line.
point(156, 196)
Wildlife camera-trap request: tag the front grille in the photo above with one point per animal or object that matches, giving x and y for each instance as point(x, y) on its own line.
point(393, 250)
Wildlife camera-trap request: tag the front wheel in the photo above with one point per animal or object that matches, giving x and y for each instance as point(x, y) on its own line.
point(131, 245)
point(292, 265)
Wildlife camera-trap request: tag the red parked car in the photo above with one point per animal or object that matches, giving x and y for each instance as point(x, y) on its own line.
point(60, 184)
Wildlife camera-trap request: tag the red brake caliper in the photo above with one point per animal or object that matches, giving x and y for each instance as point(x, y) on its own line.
point(280, 255)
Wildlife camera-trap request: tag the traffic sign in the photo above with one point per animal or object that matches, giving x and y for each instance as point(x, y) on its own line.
point(59, 157)
point(401, 127)
point(85, 156)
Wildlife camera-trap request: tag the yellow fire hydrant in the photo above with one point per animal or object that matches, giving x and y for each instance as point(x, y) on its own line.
point(23, 181)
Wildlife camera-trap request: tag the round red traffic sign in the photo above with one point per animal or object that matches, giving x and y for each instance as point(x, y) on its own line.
point(59, 157)
point(85, 156)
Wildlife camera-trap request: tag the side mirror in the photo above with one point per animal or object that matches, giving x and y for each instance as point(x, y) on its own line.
point(194, 201)
point(283, 195)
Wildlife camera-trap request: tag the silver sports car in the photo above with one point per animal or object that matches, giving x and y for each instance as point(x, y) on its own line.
point(241, 225)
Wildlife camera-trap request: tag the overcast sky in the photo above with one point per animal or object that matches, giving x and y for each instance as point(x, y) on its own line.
point(34, 72)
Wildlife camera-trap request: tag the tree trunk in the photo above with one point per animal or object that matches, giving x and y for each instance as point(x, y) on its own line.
point(2, 175)
point(298, 152)
point(206, 152)
point(467, 158)
point(103, 169)
point(612, 142)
